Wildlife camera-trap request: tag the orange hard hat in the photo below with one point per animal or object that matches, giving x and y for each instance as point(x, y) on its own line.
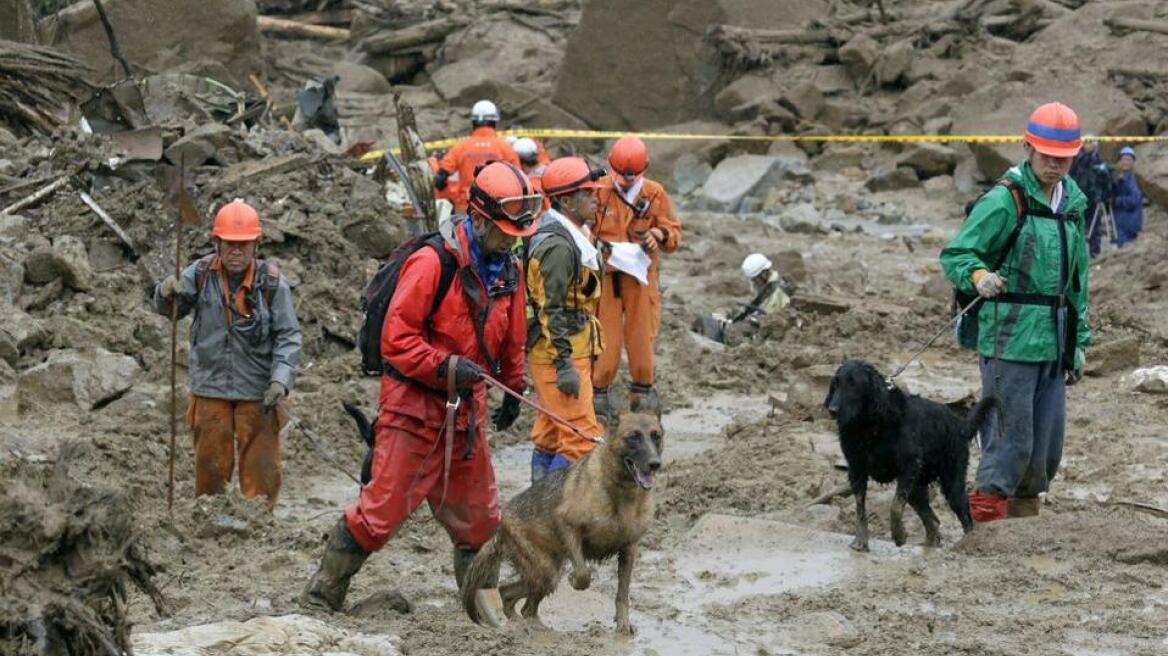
point(629, 156)
point(237, 221)
point(502, 193)
point(568, 174)
point(1053, 130)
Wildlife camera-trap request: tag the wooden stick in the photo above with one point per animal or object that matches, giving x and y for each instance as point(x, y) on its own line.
point(115, 49)
point(287, 28)
point(393, 41)
point(88, 200)
point(36, 196)
point(1136, 24)
point(841, 491)
point(178, 226)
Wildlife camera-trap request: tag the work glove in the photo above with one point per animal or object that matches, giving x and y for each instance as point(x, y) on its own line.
point(506, 413)
point(653, 239)
point(988, 284)
point(466, 374)
point(1076, 374)
point(276, 391)
point(567, 378)
point(169, 288)
point(440, 180)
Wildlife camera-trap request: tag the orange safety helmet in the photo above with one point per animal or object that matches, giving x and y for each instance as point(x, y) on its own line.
point(502, 193)
point(1054, 130)
point(629, 157)
point(237, 221)
point(568, 174)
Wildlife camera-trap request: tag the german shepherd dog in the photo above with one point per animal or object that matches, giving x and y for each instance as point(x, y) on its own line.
point(595, 509)
point(888, 435)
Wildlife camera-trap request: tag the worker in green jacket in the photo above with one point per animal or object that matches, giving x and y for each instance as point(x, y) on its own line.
point(1022, 250)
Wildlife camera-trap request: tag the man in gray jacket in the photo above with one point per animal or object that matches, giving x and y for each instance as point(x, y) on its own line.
point(245, 347)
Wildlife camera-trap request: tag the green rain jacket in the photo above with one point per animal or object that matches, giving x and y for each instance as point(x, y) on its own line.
point(1015, 331)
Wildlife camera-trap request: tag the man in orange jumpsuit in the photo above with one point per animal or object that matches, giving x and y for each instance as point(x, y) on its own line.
point(631, 208)
point(431, 429)
point(482, 147)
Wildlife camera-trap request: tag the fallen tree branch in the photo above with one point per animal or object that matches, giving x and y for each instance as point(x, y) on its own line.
point(125, 238)
point(36, 196)
point(292, 29)
point(115, 49)
point(843, 491)
point(392, 41)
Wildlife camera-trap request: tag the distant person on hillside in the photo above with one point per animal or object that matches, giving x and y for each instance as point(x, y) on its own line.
point(1093, 176)
point(1127, 200)
point(769, 296)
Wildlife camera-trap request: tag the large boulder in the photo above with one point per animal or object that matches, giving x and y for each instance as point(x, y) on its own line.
point(492, 56)
point(66, 259)
point(659, 44)
point(689, 173)
point(859, 56)
point(160, 35)
point(90, 379)
point(736, 178)
point(18, 333)
point(892, 178)
point(359, 78)
point(929, 159)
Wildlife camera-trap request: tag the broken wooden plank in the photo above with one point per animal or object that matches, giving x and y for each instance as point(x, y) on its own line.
point(294, 30)
point(247, 170)
point(36, 196)
point(332, 17)
point(105, 218)
point(1119, 24)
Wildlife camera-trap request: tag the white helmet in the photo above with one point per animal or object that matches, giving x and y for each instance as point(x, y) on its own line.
point(511, 139)
point(525, 148)
point(484, 111)
point(754, 264)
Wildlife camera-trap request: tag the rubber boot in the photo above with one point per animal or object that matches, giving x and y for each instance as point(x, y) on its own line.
point(343, 557)
point(602, 406)
point(1022, 506)
point(643, 398)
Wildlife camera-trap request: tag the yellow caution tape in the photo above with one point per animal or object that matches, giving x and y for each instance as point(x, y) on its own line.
point(560, 133)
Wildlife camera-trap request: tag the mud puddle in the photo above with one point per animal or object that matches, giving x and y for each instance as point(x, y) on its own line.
point(690, 431)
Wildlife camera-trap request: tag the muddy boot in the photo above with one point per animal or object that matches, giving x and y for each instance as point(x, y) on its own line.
point(643, 398)
point(1022, 506)
point(342, 558)
point(602, 406)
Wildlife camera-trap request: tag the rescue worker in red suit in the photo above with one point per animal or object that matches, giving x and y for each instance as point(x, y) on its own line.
point(482, 147)
point(434, 374)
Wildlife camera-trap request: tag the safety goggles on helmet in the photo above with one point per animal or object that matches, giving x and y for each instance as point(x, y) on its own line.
point(515, 215)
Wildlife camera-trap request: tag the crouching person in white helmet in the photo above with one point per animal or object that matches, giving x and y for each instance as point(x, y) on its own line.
point(769, 296)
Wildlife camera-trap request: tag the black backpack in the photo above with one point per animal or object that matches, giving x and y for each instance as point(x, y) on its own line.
point(380, 290)
point(967, 328)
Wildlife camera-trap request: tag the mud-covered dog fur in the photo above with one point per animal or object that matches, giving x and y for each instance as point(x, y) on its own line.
point(888, 435)
point(595, 509)
point(365, 429)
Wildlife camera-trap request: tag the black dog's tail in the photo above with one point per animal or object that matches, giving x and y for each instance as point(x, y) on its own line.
point(364, 427)
point(977, 416)
point(482, 572)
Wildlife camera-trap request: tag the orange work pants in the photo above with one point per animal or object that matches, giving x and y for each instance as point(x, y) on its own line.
point(632, 318)
point(552, 437)
point(220, 428)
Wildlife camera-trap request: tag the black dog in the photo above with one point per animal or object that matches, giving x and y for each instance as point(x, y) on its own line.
point(365, 428)
point(889, 435)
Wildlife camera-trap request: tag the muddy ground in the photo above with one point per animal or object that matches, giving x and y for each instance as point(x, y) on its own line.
point(737, 561)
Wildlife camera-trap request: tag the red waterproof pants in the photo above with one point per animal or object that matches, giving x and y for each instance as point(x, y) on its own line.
point(407, 470)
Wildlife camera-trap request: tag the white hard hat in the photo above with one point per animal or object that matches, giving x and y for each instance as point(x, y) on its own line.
point(511, 139)
point(525, 148)
point(484, 111)
point(754, 264)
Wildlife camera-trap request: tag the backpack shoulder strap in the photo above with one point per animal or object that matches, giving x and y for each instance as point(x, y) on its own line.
point(202, 266)
point(449, 266)
point(1021, 208)
point(270, 280)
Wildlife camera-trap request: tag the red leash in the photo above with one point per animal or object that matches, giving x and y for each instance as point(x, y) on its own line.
point(538, 408)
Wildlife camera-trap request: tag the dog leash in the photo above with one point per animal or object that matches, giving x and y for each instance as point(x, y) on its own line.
point(539, 408)
point(891, 380)
point(294, 422)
